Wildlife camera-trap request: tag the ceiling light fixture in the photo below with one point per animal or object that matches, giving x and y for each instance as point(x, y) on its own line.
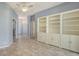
point(24, 9)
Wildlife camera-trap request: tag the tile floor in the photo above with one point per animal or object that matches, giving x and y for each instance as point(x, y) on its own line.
point(31, 47)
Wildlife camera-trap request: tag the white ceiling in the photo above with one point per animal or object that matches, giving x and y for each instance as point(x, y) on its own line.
point(33, 7)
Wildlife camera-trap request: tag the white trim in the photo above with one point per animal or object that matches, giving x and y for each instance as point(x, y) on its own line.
point(70, 11)
point(47, 27)
point(61, 27)
point(54, 14)
point(61, 24)
point(42, 17)
point(37, 25)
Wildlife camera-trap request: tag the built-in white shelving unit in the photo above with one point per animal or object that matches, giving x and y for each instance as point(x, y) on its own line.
point(61, 30)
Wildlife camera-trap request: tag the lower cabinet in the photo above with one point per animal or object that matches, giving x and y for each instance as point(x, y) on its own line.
point(70, 42)
point(65, 41)
point(52, 39)
point(56, 40)
point(41, 37)
point(75, 43)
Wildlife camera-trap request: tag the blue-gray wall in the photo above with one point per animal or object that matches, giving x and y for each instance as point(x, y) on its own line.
point(60, 8)
point(6, 33)
point(57, 9)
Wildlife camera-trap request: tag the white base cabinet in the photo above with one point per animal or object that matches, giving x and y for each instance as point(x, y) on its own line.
point(65, 41)
point(53, 39)
point(70, 42)
point(75, 43)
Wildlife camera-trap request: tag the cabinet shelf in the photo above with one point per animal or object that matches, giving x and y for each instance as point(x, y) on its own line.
point(71, 21)
point(55, 26)
point(71, 30)
point(77, 22)
point(54, 19)
point(72, 18)
point(55, 22)
point(70, 25)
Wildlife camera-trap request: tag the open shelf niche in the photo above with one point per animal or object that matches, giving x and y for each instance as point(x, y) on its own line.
point(42, 24)
point(54, 24)
point(71, 23)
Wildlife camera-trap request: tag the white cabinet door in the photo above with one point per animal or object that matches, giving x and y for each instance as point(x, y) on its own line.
point(42, 37)
point(56, 40)
point(51, 39)
point(75, 43)
point(39, 37)
point(59, 40)
point(48, 39)
point(65, 41)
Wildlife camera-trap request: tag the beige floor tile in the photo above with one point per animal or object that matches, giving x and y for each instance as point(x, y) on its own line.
point(31, 47)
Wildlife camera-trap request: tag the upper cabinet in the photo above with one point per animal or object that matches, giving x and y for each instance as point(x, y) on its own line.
point(71, 23)
point(54, 24)
point(42, 24)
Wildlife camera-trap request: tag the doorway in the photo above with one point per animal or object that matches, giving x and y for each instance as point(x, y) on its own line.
point(14, 30)
point(33, 27)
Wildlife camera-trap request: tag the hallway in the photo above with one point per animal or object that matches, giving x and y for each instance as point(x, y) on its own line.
point(39, 29)
point(30, 47)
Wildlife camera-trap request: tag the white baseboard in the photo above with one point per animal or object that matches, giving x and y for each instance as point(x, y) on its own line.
point(6, 45)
